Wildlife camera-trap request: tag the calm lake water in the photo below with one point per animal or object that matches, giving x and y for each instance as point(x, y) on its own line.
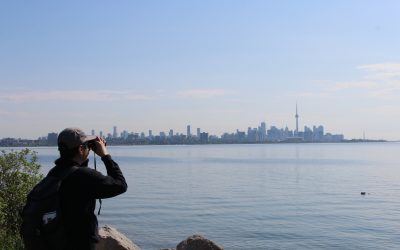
point(271, 196)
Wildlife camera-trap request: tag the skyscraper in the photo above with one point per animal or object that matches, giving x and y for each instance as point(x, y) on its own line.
point(115, 134)
point(188, 134)
point(198, 132)
point(52, 138)
point(297, 122)
point(263, 131)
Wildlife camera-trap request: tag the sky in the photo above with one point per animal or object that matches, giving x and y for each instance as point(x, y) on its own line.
point(216, 65)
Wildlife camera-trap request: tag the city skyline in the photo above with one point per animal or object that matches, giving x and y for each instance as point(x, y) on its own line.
point(260, 134)
point(291, 133)
point(170, 132)
point(219, 65)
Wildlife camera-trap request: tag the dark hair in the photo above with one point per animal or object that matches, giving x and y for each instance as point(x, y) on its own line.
point(67, 153)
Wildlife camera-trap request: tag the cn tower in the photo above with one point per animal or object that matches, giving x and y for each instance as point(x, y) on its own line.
point(297, 122)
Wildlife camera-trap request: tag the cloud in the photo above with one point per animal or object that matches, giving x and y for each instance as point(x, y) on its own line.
point(381, 67)
point(381, 72)
point(385, 79)
point(70, 95)
point(386, 110)
point(353, 85)
point(202, 93)
point(13, 113)
point(381, 81)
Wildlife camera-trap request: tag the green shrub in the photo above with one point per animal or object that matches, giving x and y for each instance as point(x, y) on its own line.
point(19, 173)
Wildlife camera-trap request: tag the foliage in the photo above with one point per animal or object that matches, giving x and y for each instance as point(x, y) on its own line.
point(19, 173)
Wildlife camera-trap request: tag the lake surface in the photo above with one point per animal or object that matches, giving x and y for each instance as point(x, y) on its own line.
point(270, 196)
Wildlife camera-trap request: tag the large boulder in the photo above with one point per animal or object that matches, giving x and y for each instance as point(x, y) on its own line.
point(197, 242)
point(111, 239)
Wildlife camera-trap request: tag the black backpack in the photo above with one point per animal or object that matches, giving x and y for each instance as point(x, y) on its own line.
point(42, 227)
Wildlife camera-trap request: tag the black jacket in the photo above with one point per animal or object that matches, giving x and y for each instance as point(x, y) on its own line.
point(78, 194)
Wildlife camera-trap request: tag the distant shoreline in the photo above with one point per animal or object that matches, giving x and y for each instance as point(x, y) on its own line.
point(213, 143)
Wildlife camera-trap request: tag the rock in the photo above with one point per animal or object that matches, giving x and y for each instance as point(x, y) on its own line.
point(197, 242)
point(111, 239)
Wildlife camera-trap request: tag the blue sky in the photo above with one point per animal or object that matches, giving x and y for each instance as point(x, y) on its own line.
point(217, 65)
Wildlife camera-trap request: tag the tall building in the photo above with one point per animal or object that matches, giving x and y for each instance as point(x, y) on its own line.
point(198, 132)
point(124, 134)
point(188, 134)
point(52, 138)
point(263, 131)
point(93, 132)
point(297, 122)
point(115, 134)
point(150, 133)
point(318, 133)
point(251, 134)
point(203, 137)
point(308, 134)
point(274, 134)
point(101, 134)
point(171, 133)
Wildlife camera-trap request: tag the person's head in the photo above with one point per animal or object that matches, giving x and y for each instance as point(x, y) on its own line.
point(73, 144)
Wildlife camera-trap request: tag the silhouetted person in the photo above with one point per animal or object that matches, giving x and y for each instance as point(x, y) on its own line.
point(79, 191)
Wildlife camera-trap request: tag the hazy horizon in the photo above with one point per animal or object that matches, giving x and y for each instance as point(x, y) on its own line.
point(216, 65)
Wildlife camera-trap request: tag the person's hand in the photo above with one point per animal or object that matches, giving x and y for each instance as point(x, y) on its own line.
point(100, 149)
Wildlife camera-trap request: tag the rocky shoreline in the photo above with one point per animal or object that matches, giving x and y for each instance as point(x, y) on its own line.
point(112, 239)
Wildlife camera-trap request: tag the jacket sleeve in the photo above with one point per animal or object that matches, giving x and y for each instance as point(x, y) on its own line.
point(113, 184)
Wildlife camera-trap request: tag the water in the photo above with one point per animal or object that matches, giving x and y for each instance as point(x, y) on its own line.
point(271, 196)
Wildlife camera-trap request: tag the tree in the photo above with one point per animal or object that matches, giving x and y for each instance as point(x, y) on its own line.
point(19, 173)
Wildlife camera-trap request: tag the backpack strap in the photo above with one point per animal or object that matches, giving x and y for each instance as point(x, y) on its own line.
point(66, 172)
point(62, 172)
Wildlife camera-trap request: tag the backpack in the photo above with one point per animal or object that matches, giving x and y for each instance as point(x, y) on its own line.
point(42, 227)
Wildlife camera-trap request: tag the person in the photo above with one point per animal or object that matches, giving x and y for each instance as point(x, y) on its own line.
point(79, 191)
